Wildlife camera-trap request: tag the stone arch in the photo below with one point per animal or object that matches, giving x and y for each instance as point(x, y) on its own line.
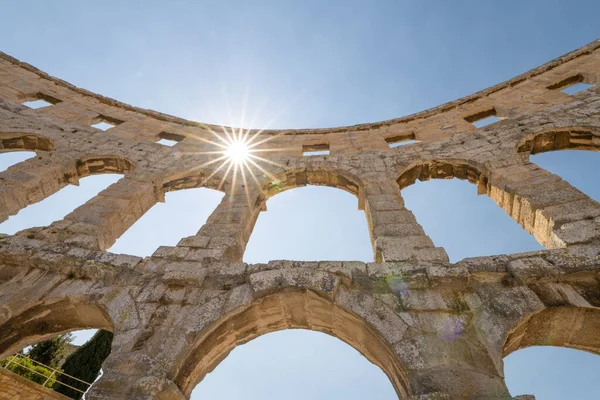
point(157, 237)
point(562, 326)
point(194, 180)
point(230, 226)
point(573, 138)
point(446, 169)
point(487, 179)
point(295, 178)
point(94, 165)
point(48, 318)
point(24, 142)
point(294, 308)
point(300, 177)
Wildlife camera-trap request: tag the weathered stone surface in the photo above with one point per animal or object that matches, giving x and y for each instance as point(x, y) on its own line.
point(438, 330)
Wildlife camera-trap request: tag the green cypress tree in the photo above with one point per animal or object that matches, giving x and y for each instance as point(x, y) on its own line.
point(50, 352)
point(85, 364)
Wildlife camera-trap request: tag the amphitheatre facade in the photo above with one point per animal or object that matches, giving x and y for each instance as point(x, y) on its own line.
point(438, 330)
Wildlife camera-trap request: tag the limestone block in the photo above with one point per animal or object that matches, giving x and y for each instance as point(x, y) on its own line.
point(185, 273)
point(345, 268)
point(584, 231)
point(271, 281)
point(171, 252)
point(409, 248)
point(387, 323)
point(453, 277)
point(528, 270)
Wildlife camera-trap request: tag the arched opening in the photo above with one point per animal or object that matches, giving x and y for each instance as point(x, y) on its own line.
point(181, 215)
point(576, 138)
point(579, 168)
point(66, 364)
point(576, 167)
point(288, 309)
point(42, 342)
point(7, 160)
point(58, 205)
point(455, 218)
point(553, 373)
point(573, 166)
point(103, 165)
point(47, 319)
point(312, 224)
point(553, 354)
point(17, 147)
point(330, 368)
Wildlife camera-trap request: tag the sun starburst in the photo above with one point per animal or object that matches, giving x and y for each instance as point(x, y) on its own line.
point(232, 154)
point(238, 151)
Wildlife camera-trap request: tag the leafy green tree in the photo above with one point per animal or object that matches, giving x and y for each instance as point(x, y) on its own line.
point(25, 367)
point(50, 352)
point(85, 364)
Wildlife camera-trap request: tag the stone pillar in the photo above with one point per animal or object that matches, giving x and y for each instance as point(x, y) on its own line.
point(556, 213)
point(102, 220)
point(33, 180)
point(458, 367)
point(395, 233)
point(227, 229)
point(134, 374)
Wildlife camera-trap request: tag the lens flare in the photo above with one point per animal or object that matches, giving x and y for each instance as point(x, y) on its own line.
point(238, 152)
point(452, 329)
point(397, 284)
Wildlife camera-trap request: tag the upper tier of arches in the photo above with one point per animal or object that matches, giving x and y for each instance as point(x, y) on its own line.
point(531, 91)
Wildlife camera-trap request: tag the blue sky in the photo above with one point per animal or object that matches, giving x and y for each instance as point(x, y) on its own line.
point(312, 64)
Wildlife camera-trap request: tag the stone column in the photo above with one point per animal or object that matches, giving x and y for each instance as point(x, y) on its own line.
point(132, 375)
point(453, 370)
point(33, 180)
point(395, 233)
point(227, 229)
point(102, 220)
point(556, 213)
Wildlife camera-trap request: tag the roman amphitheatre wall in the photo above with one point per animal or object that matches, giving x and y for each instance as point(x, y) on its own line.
point(438, 330)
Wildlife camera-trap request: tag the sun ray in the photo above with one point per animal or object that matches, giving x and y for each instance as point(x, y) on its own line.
point(233, 178)
point(208, 163)
point(229, 137)
point(242, 168)
point(213, 173)
point(201, 153)
point(265, 160)
point(269, 150)
point(267, 139)
point(245, 138)
point(231, 164)
point(201, 139)
point(284, 109)
point(215, 134)
point(251, 173)
point(264, 171)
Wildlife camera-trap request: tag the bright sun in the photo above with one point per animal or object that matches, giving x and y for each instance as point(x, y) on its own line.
point(237, 151)
point(238, 154)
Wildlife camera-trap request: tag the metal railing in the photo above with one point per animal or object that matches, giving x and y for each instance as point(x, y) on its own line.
point(53, 377)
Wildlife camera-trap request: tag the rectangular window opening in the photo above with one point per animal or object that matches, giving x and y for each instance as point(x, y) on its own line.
point(167, 142)
point(571, 85)
point(483, 118)
point(103, 126)
point(576, 88)
point(105, 123)
point(35, 104)
point(401, 140)
point(315, 149)
point(41, 100)
point(169, 139)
